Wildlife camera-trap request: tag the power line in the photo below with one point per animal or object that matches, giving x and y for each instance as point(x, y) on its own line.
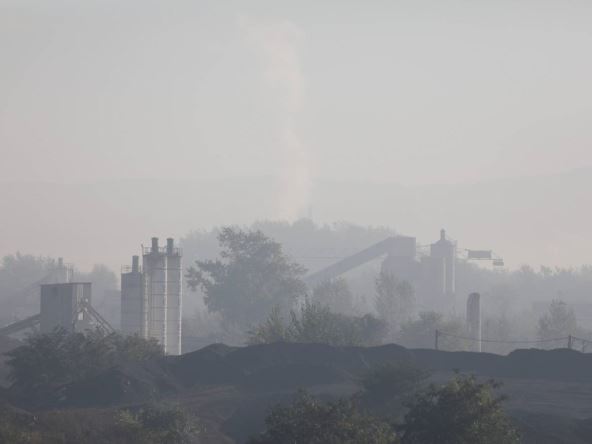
point(499, 341)
point(524, 341)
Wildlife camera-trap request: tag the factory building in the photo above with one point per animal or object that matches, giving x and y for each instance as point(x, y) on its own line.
point(63, 304)
point(151, 297)
point(431, 269)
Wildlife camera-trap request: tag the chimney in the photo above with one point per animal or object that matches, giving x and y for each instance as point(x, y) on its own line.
point(135, 264)
point(170, 245)
point(154, 245)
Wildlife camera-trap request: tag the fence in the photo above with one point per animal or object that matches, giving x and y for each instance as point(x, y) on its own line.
point(570, 341)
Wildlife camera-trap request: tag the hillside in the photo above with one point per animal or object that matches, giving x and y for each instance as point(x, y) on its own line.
point(532, 220)
point(231, 388)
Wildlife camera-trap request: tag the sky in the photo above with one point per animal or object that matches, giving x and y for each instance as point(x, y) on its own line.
point(403, 92)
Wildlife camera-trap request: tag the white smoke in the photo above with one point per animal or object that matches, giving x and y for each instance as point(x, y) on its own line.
point(279, 43)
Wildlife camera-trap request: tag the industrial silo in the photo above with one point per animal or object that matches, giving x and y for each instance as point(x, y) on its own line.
point(155, 283)
point(174, 289)
point(134, 301)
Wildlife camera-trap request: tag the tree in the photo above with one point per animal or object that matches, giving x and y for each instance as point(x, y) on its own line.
point(394, 301)
point(273, 329)
point(252, 276)
point(307, 420)
point(335, 294)
point(315, 323)
point(419, 333)
point(20, 276)
point(461, 412)
point(558, 322)
point(49, 361)
point(155, 425)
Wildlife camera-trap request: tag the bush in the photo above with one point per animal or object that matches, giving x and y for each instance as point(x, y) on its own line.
point(420, 332)
point(155, 425)
point(392, 379)
point(48, 361)
point(316, 323)
point(460, 412)
point(307, 420)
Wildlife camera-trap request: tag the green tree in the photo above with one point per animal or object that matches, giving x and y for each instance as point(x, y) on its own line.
point(460, 412)
point(419, 333)
point(252, 275)
point(558, 322)
point(48, 361)
point(273, 329)
point(335, 294)
point(315, 323)
point(308, 420)
point(20, 276)
point(395, 300)
point(155, 425)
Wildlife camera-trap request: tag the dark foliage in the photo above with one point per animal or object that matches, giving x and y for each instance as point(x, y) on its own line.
point(308, 420)
point(460, 412)
point(252, 276)
point(316, 323)
point(47, 362)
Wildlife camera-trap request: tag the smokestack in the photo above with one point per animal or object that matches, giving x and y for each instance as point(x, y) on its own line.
point(442, 234)
point(170, 245)
point(135, 264)
point(154, 245)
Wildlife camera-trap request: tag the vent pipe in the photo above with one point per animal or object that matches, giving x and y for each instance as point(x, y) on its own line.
point(154, 245)
point(170, 245)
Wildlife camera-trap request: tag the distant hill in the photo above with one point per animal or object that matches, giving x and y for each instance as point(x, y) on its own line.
point(537, 220)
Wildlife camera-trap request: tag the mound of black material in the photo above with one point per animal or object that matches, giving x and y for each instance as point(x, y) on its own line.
point(285, 367)
point(285, 364)
point(6, 344)
point(281, 364)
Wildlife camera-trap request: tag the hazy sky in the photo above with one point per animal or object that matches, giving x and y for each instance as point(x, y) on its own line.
point(411, 92)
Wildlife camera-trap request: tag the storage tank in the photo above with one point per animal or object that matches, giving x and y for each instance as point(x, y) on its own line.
point(154, 264)
point(174, 289)
point(134, 308)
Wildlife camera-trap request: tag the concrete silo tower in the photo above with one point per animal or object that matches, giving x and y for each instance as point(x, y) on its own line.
point(151, 298)
point(174, 289)
point(154, 264)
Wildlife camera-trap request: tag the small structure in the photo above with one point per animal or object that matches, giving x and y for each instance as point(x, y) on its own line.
point(474, 319)
point(63, 304)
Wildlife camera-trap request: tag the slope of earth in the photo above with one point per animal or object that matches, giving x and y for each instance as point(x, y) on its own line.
point(6, 344)
point(230, 389)
point(549, 392)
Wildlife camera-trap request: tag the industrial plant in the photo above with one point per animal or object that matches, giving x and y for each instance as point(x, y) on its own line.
point(151, 300)
point(430, 269)
point(152, 292)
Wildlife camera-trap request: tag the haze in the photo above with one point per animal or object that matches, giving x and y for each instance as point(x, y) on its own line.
point(414, 115)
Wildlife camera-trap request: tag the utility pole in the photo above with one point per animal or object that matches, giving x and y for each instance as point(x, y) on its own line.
point(437, 336)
